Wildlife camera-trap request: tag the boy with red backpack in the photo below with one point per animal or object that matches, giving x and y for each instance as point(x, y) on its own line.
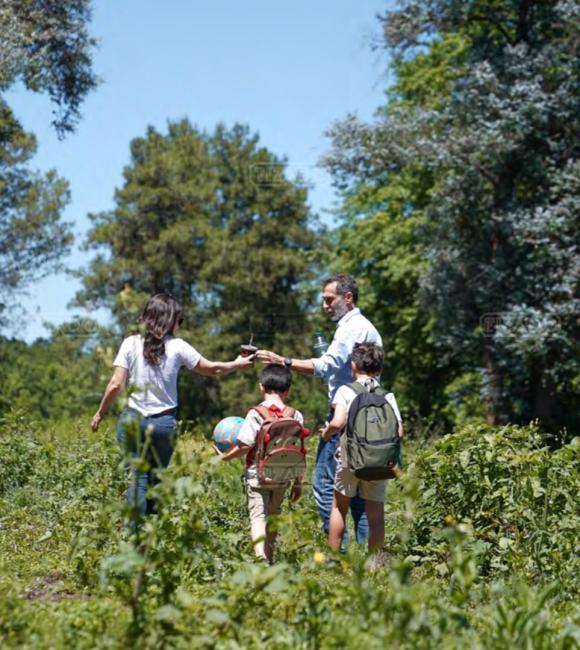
point(272, 439)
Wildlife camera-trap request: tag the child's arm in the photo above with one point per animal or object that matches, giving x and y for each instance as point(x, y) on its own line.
point(239, 449)
point(336, 424)
point(393, 402)
point(296, 490)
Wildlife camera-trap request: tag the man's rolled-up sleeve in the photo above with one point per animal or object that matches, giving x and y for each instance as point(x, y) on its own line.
point(334, 358)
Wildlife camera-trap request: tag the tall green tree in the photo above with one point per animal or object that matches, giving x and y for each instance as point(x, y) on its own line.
point(381, 240)
point(500, 141)
point(212, 219)
point(33, 237)
point(45, 45)
point(57, 377)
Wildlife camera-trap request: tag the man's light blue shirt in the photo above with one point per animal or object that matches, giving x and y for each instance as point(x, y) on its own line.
point(334, 365)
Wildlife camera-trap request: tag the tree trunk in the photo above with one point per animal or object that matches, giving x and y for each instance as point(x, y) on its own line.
point(542, 394)
point(494, 385)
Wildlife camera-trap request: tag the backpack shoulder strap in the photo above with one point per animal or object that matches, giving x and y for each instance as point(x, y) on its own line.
point(360, 401)
point(262, 411)
point(357, 387)
point(288, 412)
point(265, 414)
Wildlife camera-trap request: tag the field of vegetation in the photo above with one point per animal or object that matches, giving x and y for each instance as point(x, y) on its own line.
point(482, 543)
point(458, 215)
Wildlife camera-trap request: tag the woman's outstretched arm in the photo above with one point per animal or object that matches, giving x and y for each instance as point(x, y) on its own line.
point(217, 368)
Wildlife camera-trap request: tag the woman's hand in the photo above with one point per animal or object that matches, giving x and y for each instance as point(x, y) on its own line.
point(242, 363)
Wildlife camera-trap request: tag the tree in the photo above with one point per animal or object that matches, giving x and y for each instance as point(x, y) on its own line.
point(45, 45)
point(32, 236)
point(501, 145)
point(212, 219)
point(59, 377)
point(382, 239)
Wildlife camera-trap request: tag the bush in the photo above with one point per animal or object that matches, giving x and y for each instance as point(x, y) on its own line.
point(19, 451)
point(518, 496)
point(73, 575)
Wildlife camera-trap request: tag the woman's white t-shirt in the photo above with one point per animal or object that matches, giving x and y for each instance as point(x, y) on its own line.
point(156, 385)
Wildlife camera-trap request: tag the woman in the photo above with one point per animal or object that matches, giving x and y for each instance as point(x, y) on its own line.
point(150, 364)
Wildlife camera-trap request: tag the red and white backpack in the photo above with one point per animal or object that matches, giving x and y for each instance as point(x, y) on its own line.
point(279, 452)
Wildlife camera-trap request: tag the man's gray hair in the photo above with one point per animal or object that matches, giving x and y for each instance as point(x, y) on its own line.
point(344, 284)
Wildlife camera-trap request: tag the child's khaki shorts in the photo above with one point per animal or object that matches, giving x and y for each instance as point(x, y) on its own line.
point(347, 484)
point(263, 502)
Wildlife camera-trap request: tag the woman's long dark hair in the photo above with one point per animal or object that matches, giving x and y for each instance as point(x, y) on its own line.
point(159, 316)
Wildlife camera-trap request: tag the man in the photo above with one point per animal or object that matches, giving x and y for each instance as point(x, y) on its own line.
point(339, 299)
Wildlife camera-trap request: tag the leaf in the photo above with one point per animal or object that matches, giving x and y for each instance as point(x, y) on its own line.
point(217, 616)
point(168, 614)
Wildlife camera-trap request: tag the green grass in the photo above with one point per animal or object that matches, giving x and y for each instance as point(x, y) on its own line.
point(481, 541)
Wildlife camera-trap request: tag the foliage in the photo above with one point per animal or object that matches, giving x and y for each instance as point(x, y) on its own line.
point(61, 376)
point(73, 575)
point(212, 219)
point(46, 46)
point(516, 494)
point(32, 236)
point(483, 119)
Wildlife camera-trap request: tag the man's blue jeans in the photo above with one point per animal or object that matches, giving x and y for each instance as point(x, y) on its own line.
point(323, 488)
point(132, 436)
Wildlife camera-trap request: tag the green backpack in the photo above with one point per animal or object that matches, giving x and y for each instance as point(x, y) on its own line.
point(371, 437)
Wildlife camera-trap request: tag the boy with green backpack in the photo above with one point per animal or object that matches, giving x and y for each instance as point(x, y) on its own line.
point(370, 445)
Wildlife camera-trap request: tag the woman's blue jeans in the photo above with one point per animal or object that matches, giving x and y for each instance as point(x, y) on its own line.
point(133, 433)
point(323, 488)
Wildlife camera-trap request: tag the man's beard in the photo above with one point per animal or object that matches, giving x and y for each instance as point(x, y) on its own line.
point(338, 313)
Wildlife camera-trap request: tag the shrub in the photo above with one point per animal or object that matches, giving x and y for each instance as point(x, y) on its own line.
point(519, 497)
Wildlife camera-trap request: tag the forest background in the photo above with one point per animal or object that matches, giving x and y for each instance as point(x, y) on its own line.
point(458, 215)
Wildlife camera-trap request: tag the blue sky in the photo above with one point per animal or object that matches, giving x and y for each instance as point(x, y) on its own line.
point(289, 70)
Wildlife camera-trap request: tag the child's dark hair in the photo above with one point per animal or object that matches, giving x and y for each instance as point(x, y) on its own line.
point(276, 378)
point(368, 357)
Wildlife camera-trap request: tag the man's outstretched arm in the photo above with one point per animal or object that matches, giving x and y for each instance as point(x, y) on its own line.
point(302, 366)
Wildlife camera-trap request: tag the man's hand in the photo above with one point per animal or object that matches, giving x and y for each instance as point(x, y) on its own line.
point(266, 356)
point(97, 417)
point(296, 491)
point(401, 430)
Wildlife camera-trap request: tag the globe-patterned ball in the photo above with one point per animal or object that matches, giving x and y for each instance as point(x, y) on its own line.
point(225, 434)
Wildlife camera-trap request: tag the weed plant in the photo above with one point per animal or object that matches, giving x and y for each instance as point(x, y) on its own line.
point(482, 551)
